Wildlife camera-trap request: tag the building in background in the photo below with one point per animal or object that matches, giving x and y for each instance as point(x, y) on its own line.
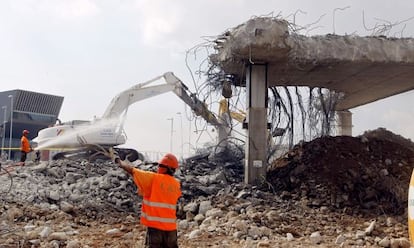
point(21, 109)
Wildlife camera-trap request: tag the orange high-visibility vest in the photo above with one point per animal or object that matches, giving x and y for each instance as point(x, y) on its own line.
point(159, 207)
point(25, 144)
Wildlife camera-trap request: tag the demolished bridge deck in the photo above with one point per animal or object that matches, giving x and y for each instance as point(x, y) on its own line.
point(365, 69)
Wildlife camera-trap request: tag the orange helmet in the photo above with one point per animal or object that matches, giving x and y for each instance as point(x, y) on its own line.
point(25, 131)
point(169, 160)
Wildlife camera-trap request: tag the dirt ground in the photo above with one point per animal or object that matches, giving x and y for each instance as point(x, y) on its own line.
point(94, 233)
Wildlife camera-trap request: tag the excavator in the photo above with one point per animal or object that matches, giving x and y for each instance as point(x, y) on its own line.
point(91, 139)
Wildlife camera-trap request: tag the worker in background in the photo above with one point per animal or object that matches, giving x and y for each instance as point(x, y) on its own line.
point(37, 159)
point(25, 147)
point(160, 192)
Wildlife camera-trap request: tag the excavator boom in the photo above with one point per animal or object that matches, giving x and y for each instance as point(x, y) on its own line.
point(139, 92)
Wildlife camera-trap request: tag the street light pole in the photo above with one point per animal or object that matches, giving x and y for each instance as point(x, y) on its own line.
point(182, 142)
point(11, 125)
point(171, 138)
point(4, 130)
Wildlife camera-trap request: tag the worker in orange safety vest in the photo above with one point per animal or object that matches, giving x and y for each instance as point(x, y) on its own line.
point(160, 192)
point(25, 146)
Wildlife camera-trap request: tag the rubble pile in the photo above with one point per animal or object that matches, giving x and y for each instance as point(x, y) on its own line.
point(74, 186)
point(371, 171)
point(317, 195)
point(210, 171)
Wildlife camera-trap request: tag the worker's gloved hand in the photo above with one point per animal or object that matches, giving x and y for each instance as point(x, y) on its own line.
point(113, 155)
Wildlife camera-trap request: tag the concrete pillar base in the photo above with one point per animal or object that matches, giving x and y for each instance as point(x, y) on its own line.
point(344, 122)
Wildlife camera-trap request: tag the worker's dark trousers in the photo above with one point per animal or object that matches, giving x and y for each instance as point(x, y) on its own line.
point(23, 157)
point(161, 239)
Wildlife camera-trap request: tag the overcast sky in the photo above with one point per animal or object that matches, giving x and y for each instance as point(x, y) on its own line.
point(90, 50)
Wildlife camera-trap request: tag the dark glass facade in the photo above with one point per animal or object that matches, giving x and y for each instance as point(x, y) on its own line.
point(21, 109)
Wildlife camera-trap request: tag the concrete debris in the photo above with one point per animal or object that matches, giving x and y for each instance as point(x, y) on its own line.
point(370, 172)
point(78, 204)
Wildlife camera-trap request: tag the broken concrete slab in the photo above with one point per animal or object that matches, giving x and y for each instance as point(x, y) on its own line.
point(365, 69)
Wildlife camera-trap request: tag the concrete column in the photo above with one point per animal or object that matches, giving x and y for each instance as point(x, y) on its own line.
point(344, 122)
point(256, 145)
point(224, 121)
point(223, 132)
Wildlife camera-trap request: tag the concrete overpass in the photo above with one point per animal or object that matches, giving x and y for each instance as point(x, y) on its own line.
point(262, 53)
